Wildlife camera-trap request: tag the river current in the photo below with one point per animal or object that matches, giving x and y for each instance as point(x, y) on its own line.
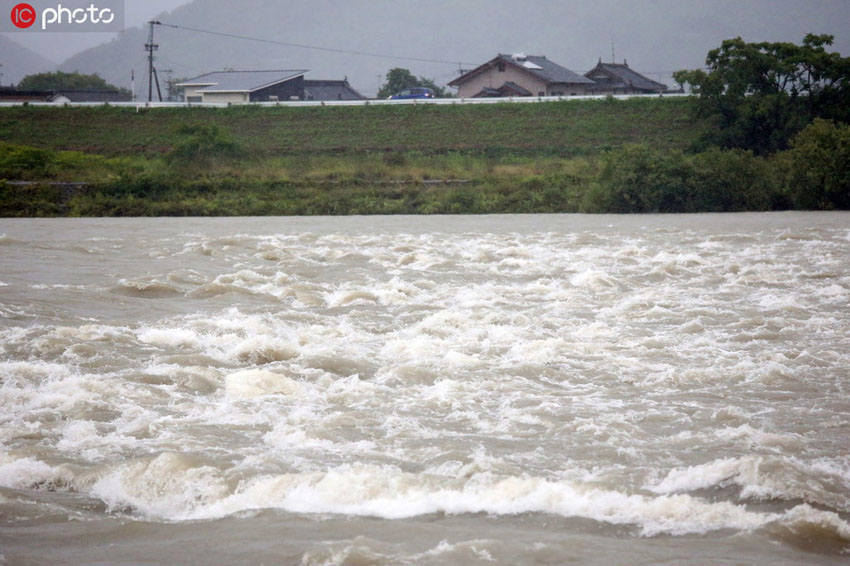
point(554, 389)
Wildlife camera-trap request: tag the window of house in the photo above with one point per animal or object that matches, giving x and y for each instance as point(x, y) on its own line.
point(501, 67)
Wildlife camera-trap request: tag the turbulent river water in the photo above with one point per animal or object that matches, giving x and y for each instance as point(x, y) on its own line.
point(426, 390)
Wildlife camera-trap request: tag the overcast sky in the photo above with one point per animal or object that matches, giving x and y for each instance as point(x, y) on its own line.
point(59, 46)
point(657, 36)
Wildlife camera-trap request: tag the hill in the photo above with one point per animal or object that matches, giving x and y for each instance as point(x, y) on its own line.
point(18, 62)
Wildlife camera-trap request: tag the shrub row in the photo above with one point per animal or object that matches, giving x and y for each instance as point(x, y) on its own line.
point(208, 173)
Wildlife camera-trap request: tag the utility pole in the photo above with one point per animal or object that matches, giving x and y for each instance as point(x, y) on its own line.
point(151, 47)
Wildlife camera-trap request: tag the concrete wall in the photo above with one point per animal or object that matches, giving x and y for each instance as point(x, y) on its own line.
point(569, 90)
point(226, 97)
point(493, 78)
point(191, 94)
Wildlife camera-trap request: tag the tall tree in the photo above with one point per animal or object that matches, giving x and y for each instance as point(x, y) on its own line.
point(64, 81)
point(399, 79)
point(761, 94)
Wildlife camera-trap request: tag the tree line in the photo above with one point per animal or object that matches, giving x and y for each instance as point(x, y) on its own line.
point(779, 137)
point(58, 81)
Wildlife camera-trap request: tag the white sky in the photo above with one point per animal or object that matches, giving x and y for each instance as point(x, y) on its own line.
point(57, 47)
point(656, 36)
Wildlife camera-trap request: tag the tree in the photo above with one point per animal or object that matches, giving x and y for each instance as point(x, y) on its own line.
point(761, 94)
point(400, 79)
point(64, 81)
point(820, 166)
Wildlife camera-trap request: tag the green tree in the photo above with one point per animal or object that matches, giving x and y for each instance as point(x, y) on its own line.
point(638, 178)
point(820, 166)
point(400, 79)
point(64, 81)
point(761, 94)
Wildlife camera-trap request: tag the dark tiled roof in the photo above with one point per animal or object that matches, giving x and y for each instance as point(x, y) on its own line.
point(536, 65)
point(12, 95)
point(512, 86)
point(330, 90)
point(507, 89)
point(545, 69)
point(622, 76)
point(96, 95)
point(240, 81)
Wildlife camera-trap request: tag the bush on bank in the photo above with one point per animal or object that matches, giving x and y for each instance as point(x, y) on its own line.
point(819, 162)
point(639, 179)
point(633, 179)
point(207, 169)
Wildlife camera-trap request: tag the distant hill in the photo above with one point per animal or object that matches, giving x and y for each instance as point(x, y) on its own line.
point(18, 62)
point(661, 37)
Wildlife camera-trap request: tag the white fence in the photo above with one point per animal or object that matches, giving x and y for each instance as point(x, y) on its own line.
point(378, 102)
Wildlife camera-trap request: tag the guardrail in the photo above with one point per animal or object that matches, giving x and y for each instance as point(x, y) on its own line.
point(371, 102)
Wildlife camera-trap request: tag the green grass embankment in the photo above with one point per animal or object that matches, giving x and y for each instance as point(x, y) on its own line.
point(557, 128)
point(245, 160)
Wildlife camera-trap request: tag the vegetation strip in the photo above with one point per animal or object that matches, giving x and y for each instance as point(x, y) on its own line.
point(580, 156)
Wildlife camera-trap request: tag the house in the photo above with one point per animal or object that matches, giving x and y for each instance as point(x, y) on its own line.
point(521, 75)
point(264, 86)
point(330, 90)
point(93, 96)
point(245, 86)
point(13, 95)
point(612, 78)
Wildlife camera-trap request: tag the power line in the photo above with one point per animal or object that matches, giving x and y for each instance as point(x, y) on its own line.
point(314, 47)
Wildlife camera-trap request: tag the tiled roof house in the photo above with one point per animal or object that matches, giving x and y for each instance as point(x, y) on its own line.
point(13, 95)
point(613, 78)
point(521, 75)
point(330, 90)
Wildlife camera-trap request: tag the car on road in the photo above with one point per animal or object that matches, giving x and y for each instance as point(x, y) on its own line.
point(415, 92)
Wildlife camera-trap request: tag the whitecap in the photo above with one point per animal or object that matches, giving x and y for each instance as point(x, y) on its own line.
point(249, 383)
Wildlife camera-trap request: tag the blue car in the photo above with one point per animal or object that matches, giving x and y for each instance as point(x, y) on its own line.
point(415, 92)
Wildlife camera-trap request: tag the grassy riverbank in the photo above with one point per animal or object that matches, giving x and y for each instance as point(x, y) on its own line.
point(551, 157)
point(558, 128)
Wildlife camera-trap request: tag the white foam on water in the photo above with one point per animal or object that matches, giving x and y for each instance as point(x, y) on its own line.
point(256, 382)
point(764, 478)
point(168, 336)
point(24, 472)
point(670, 380)
point(170, 486)
point(174, 487)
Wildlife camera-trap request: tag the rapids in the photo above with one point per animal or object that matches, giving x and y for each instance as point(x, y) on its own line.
point(428, 390)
